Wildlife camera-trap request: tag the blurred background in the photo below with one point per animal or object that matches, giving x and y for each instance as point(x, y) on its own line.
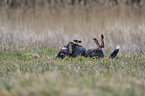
point(54, 23)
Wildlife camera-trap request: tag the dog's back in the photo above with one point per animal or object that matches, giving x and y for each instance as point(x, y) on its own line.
point(97, 53)
point(77, 51)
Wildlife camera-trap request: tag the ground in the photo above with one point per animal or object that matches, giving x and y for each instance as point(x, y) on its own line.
point(34, 70)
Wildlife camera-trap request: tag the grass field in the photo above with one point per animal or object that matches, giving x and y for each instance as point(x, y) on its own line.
point(30, 39)
point(35, 71)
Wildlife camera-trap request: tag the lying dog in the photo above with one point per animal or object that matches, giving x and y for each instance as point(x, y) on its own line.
point(74, 49)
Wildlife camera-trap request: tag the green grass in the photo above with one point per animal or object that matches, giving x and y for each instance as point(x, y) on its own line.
point(29, 71)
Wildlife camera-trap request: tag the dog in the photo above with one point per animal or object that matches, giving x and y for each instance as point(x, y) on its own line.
point(74, 49)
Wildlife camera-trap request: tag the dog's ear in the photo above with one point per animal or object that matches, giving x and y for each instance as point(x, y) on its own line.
point(75, 40)
point(79, 41)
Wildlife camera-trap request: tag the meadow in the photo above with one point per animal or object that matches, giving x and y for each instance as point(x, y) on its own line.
point(31, 38)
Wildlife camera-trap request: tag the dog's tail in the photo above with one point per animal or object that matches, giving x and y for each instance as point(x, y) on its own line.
point(115, 52)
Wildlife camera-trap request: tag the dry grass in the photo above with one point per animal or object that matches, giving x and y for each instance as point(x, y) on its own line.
point(121, 25)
